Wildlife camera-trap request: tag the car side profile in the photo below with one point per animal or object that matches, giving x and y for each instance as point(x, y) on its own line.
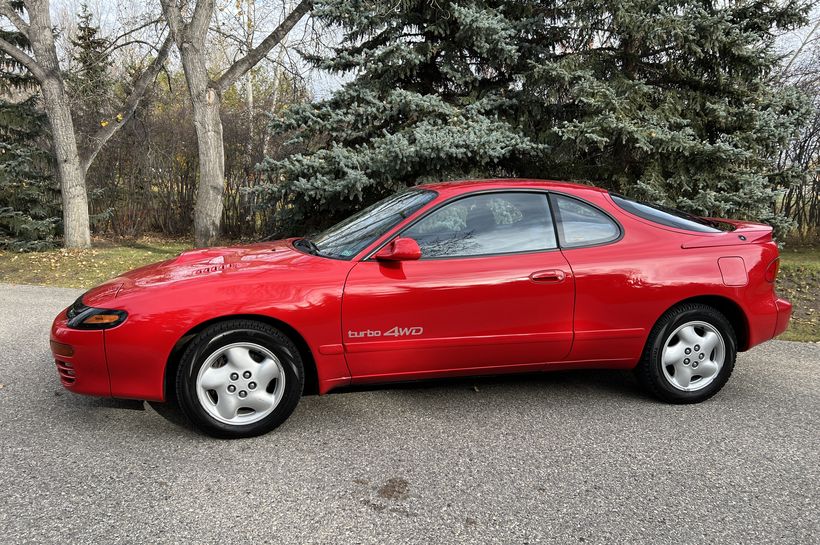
point(440, 280)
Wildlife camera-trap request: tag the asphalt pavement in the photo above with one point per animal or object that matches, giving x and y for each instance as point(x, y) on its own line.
point(569, 457)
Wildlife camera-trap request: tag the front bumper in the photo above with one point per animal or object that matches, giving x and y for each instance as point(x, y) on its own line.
point(784, 313)
point(85, 371)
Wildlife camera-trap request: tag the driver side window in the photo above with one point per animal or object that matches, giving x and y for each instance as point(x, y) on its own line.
point(486, 224)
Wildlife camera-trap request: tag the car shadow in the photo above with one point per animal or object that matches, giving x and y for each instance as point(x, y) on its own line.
point(615, 382)
point(591, 384)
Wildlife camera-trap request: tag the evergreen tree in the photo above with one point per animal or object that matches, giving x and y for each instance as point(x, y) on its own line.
point(29, 196)
point(88, 81)
point(671, 102)
point(431, 101)
point(666, 100)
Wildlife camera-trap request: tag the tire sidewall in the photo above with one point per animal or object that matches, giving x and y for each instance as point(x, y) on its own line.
point(210, 341)
point(704, 314)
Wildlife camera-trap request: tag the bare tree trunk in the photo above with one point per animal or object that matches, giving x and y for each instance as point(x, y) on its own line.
point(205, 96)
point(76, 228)
point(205, 103)
point(208, 207)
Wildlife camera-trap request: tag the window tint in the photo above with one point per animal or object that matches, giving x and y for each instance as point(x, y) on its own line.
point(493, 223)
point(665, 216)
point(581, 224)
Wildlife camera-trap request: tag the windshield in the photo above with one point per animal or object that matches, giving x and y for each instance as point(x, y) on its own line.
point(666, 216)
point(349, 237)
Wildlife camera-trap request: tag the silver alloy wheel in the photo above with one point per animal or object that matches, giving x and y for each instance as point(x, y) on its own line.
point(240, 383)
point(693, 356)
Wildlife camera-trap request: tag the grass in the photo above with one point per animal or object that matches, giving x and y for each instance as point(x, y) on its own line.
point(799, 282)
point(85, 268)
point(799, 279)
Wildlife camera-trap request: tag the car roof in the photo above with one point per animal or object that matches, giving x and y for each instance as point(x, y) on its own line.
point(462, 186)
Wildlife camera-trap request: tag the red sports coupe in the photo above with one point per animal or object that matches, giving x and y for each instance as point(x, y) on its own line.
point(449, 279)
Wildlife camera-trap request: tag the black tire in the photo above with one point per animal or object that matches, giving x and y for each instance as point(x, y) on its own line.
point(650, 372)
point(219, 335)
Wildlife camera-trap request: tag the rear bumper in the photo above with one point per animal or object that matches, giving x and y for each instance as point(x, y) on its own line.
point(784, 313)
point(82, 367)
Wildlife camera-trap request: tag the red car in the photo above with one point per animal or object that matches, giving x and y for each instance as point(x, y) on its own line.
point(440, 280)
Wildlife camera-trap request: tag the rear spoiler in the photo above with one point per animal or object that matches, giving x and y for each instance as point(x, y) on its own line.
point(743, 232)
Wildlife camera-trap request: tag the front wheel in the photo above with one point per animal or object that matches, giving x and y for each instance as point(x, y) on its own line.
point(239, 378)
point(689, 355)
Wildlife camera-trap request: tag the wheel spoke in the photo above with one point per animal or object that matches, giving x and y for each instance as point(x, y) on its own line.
point(214, 378)
point(707, 369)
point(673, 354)
point(710, 341)
point(268, 370)
point(689, 335)
point(227, 406)
point(240, 357)
point(683, 375)
point(259, 401)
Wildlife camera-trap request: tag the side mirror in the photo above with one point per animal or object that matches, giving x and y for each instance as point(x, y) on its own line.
point(400, 249)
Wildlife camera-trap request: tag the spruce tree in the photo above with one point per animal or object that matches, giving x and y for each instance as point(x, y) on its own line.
point(88, 81)
point(667, 100)
point(430, 102)
point(29, 195)
point(672, 102)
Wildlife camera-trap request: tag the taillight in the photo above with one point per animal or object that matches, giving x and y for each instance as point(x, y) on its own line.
point(772, 270)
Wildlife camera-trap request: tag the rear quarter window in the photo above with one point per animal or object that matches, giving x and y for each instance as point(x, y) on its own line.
point(664, 216)
point(581, 224)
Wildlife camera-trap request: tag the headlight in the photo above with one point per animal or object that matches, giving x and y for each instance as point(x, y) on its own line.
point(81, 316)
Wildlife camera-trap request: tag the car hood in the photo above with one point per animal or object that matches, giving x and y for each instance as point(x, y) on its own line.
point(203, 265)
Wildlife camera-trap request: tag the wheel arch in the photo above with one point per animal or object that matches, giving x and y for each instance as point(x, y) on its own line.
point(730, 309)
point(311, 372)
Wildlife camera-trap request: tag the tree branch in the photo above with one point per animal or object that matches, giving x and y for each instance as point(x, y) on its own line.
point(23, 58)
point(241, 66)
point(129, 107)
point(174, 18)
point(9, 13)
point(113, 45)
point(201, 20)
point(806, 40)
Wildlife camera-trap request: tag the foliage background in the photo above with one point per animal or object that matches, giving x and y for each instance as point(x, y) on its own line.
point(666, 100)
point(704, 106)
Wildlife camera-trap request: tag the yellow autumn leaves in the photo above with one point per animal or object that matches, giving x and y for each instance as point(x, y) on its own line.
point(119, 117)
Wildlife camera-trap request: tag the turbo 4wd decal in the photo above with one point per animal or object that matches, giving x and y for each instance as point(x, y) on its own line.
point(394, 331)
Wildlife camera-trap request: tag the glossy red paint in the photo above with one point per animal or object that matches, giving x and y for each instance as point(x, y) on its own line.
point(367, 320)
point(399, 249)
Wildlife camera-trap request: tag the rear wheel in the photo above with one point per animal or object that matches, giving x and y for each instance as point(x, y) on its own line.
point(239, 378)
point(689, 355)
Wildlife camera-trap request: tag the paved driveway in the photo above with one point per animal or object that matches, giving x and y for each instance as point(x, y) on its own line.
point(581, 457)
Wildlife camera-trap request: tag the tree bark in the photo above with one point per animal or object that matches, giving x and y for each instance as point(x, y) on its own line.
point(208, 123)
point(76, 227)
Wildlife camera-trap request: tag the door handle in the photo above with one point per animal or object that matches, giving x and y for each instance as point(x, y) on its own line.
point(549, 276)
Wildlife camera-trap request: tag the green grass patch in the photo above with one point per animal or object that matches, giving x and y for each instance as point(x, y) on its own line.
point(799, 282)
point(85, 268)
